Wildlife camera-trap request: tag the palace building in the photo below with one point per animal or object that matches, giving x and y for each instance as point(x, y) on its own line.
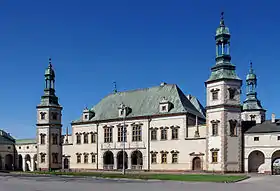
point(156, 129)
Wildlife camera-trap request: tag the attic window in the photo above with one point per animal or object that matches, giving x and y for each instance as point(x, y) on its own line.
point(163, 108)
point(86, 116)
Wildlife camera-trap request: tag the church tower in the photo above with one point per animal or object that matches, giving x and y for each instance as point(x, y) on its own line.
point(223, 109)
point(49, 150)
point(252, 109)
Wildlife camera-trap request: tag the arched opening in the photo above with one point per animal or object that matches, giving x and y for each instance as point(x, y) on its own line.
point(108, 160)
point(120, 160)
point(35, 162)
point(255, 160)
point(66, 163)
point(0, 162)
point(27, 163)
point(136, 160)
point(275, 163)
point(9, 162)
point(20, 162)
point(196, 163)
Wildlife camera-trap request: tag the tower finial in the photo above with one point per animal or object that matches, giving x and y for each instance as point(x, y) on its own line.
point(50, 61)
point(115, 87)
point(251, 67)
point(222, 22)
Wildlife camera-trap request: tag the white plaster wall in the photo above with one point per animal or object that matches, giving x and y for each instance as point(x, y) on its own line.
point(259, 116)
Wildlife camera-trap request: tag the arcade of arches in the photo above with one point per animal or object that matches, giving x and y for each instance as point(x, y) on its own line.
point(135, 161)
point(257, 162)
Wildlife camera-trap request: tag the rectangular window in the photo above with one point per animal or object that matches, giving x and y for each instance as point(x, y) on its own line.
point(78, 158)
point(278, 138)
point(233, 128)
point(163, 108)
point(108, 135)
point(78, 141)
point(154, 158)
point(54, 139)
point(174, 158)
point(93, 158)
point(153, 134)
point(163, 135)
point(122, 134)
point(256, 138)
point(214, 157)
point(43, 140)
point(163, 158)
point(43, 158)
point(55, 158)
point(92, 135)
point(175, 133)
point(215, 95)
point(136, 133)
point(86, 138)
point(214, 129)
point(85, 158)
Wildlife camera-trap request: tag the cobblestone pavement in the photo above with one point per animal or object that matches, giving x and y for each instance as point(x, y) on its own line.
point(54, 183)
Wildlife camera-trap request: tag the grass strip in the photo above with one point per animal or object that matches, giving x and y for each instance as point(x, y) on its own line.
point(174, 177)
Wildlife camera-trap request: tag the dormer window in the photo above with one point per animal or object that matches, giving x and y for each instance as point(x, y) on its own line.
point(123, 110)
point(165, 105)
point(87, 114)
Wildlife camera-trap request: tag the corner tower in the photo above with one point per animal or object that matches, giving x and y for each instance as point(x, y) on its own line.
point(49, 150)
point(223, 109)
point(252, 109)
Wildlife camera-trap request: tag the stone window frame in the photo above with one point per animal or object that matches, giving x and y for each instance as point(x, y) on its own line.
point(175, 132)
point(79, 158)
point(163, 133)
point(43, 138)
point(93, 157)
point(214, 94)
point(55, 158)
point(43, 115)
point(233, 128)
point(136, 132)
point(42, 157)
point(85, 139)
point(78, 138)
point(164, 157)
point(54, 139)
point(214, 155)
point(215, 127)
point(85, 158)
point(153, 133)
point(232, 92)
point(122, 136)
point(108, 134)
point(175, 156)
point(154, 157)
point(93, 137)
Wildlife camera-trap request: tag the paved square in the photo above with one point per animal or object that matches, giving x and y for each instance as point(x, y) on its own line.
point(39, 183)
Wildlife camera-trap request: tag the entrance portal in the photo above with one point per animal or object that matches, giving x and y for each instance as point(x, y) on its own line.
point(275, 163)
point(196, 163)
point(120, 160)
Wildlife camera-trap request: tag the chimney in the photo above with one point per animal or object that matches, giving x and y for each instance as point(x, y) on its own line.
point(272, 118)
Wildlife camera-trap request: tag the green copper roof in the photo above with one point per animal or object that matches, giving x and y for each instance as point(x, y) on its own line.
point(223, 73)
point(143, 102)
point(251, 76)
point(25, 141)
point(6, 138)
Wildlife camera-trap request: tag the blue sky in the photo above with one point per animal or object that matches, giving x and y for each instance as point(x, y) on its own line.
point(135, 43)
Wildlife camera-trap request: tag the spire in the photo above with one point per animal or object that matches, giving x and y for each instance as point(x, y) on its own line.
point(115, 87)
point(223, 68)
point(222, 22)
point(251, 102)
point(49, 97)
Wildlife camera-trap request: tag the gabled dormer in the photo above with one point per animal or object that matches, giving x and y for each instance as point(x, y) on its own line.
point(164, 105)
point(88, 114)
point(123, 110)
